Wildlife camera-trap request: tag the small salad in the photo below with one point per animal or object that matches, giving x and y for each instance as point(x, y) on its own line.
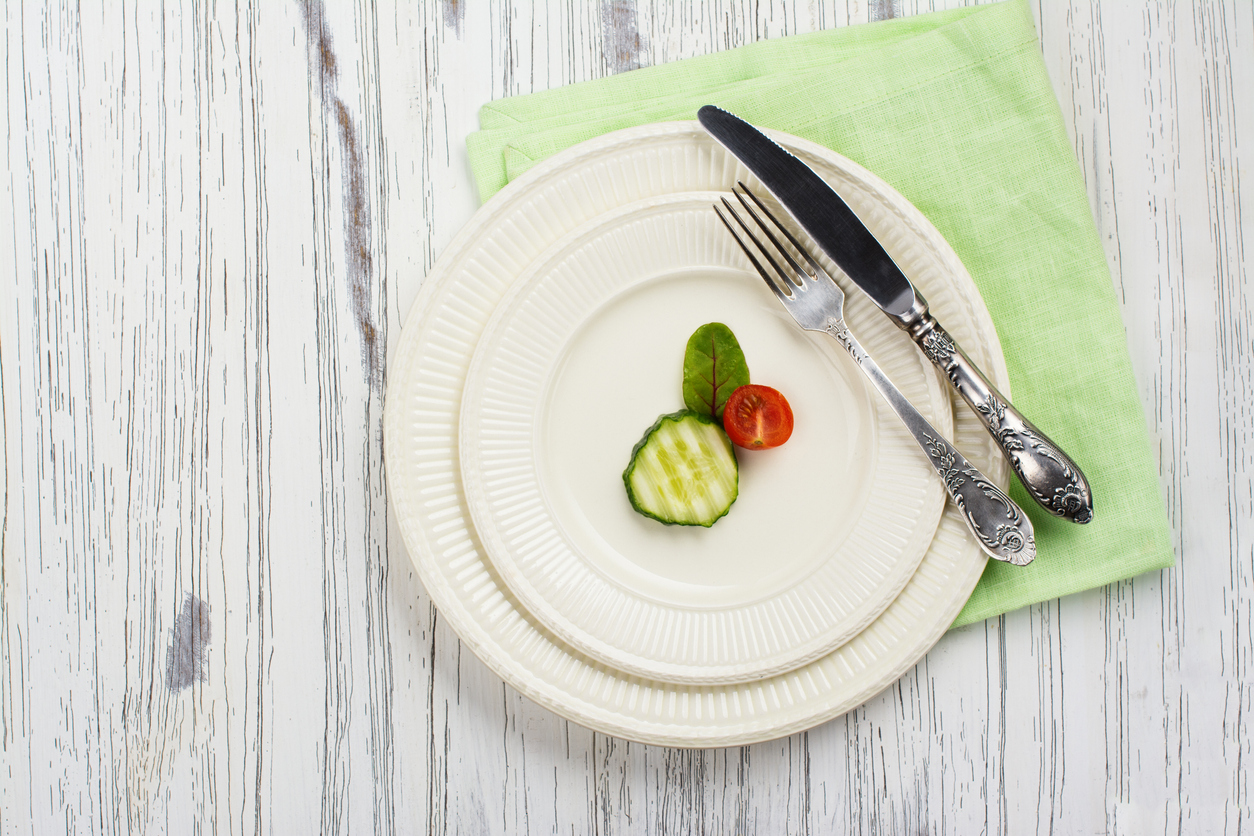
point(684, 470)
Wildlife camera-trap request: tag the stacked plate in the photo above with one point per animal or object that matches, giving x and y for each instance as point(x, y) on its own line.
point(544, 343)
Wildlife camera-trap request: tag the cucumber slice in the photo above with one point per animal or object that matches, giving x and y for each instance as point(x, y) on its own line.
point(684, 471)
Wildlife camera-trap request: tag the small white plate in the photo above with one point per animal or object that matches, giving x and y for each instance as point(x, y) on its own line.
point(426, 375)
point(579, 359)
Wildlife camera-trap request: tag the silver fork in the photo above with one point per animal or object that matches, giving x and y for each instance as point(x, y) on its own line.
point(817, 303)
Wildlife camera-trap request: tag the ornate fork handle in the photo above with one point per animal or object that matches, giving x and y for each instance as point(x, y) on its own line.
point(1050, 476)
point(999, 524)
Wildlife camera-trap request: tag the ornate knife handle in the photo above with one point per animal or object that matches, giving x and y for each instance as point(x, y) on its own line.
point(1050, 476)
point(1001, 527)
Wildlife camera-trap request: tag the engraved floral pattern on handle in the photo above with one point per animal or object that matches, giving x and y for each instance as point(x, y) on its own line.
point(938, 347)
point(838, 329)
point(994, 518)
point(1051, 478)
point(1068, 497)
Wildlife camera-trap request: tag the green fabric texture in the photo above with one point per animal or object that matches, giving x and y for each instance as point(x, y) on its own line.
point(955, 110)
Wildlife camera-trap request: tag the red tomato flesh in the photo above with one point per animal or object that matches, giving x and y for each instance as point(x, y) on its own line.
point(757, 417)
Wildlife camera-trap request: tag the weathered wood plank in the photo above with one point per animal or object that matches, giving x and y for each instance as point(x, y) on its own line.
point(219, 217)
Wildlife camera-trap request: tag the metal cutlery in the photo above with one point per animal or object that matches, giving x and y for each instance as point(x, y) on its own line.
point(816, 302)
point(1050, 476)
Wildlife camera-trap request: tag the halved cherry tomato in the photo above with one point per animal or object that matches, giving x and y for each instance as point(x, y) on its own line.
point(757, 417)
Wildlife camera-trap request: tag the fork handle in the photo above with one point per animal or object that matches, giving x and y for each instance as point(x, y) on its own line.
point(1001, 527)
point(1050, 476)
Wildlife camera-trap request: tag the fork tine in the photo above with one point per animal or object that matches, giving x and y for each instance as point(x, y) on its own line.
point(793, 277)
point(816, 269)
point(783, 295)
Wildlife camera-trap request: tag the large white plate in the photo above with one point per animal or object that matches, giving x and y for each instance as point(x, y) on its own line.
point(425, 381)
point(580, 357)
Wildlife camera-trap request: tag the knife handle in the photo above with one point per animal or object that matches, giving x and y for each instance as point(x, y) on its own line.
point(1050, 476)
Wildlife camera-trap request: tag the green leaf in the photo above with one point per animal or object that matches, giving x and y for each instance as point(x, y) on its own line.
point(714, 366)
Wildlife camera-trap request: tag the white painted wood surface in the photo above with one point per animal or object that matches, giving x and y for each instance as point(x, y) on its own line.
point(215, 217)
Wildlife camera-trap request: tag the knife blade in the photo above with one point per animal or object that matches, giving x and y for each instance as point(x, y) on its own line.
point(1053, 480)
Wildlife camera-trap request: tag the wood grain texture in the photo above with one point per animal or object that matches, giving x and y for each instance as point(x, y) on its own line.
point(216, 218)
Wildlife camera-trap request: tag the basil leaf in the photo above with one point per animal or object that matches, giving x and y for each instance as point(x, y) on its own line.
point(714, 367)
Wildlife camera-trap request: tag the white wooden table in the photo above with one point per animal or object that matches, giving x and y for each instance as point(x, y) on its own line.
point(215, 218)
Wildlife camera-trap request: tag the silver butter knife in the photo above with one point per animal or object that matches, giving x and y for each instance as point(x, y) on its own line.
point(1050, 476)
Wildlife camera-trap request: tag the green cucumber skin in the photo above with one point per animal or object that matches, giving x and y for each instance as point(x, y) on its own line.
point(676, 417)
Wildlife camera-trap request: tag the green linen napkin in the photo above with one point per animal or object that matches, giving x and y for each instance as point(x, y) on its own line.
point(955, 110)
